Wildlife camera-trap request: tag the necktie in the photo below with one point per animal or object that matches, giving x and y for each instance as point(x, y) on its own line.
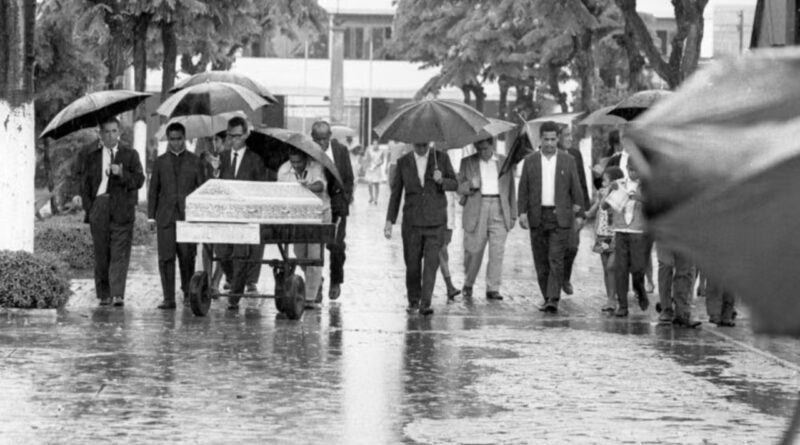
point(235, 155)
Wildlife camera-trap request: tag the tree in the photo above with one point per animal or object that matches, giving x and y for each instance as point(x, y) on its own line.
point(17, 37)
point(685, 49)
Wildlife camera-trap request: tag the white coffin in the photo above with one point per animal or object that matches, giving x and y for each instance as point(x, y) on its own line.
point(212, 233)
point(229, 201)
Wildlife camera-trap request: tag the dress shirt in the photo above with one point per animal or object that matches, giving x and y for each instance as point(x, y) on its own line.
point(422, 165)
point(623, 162)
point(239, 157)
point(549, 180)
point(108, 158)
point(489, 176)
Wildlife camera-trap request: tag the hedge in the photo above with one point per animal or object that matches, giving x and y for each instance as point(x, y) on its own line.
point(29, 281)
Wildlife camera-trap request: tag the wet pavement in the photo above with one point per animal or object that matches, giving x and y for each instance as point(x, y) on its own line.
point(362, 371)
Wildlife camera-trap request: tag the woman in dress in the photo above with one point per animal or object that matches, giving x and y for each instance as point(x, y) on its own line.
point(374, 159)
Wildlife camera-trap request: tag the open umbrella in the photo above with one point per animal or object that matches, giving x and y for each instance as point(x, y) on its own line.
point(601, 117)
point(227, 77)
point(91, 109)
point(637, 103)
point(431, 120)
point(340, 132)
point(494, 128)
point(200, 125)
point(532, 126)
point(722, 179)
point(275, 144)
point(211, 98)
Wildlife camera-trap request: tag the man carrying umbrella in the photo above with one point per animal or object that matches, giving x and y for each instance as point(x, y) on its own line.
point(176, 174)
point(341, 196)
point(110, 175)
point(573, 243)
point(424, 175)
point(549, 191)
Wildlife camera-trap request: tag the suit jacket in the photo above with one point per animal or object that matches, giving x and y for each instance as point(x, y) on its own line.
point(251, 168)
point(469, 169)
point(341, 195)
point(567, 190)
point(578, 157)
point(425, 204)
point(122, 189)
point(166, 199)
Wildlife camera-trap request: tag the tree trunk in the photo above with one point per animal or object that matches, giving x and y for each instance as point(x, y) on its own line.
point(140, 59)
point(524, 105)
point(584, 62)
point(170, 42)
point(115, 57)
point(17, 24)
point(636, 62)
point(553, 73)
point(465, 91)
point(502, 104)
point(480, 96)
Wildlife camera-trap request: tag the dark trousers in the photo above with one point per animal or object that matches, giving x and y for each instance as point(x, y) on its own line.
point(675, 281)
point(168, 249)
point(236, 261)
point(571, 252)
point(337, 249)
point(254, 273)
point(112, 250)
point(719, 302)
point(421, 248)
point(549, 242)
point(630, 256)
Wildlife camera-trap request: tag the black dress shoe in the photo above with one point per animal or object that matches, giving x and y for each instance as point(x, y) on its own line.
point(621, 312)
point(658, 308)
point(467, 291)
point(549, 308)
point(233, 307)
point(426, 311)
point(412, 308)
point(494, 295)
point(105, 302)
point(167, 305)
point(567, 288)
point(686, 323)
point(644, 302)
point(118, 301)
point(453, 293)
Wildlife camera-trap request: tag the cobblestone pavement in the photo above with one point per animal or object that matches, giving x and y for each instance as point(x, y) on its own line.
point(362, 371)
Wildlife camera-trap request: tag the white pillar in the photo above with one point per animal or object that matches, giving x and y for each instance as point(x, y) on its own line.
point(16, 176)
point(140, 145)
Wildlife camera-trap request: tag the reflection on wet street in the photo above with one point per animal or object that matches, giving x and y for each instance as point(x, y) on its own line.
point(362, 371)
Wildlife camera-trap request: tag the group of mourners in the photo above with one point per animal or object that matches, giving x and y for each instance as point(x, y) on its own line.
point(552, 201)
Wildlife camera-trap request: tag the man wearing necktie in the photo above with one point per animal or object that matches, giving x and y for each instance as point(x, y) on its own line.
point(176, 174)
point(110, 174)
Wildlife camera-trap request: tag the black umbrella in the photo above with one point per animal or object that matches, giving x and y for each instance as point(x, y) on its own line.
point(637, 103)
point(91, 109)
point(520, 148)
point(227, 77)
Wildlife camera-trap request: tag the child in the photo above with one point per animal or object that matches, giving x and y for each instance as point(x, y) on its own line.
point(631, 246)
point(604, 235)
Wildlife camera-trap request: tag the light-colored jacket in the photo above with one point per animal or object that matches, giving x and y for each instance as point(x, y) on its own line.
point(470, 168)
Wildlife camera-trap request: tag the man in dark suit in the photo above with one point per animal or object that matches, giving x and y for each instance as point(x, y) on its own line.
point(240, 164)
point(341, 197)
point(176, 174)
point(425, 175)
point(110, 176)
point(573, 243)
point(490, 211)
point(549, 191)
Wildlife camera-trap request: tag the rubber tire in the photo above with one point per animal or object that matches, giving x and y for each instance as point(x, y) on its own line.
point(279, 285)
point(293, 297)
point(199, 297)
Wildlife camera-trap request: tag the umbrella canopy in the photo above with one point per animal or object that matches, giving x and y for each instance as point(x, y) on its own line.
point(91, 109)
point(492, 129)
point(340, 132)
point(431, 120)
point(601, 117)
point(520, 148)
point(721, 179)
point(227, 77)
point(275, 144)
point(200, 125)
point(637, 103)
point(211, 98)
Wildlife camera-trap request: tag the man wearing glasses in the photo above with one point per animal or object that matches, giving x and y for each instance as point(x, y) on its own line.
point(240, 164)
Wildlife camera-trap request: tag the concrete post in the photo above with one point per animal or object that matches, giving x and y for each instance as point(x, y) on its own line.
point(337, 71)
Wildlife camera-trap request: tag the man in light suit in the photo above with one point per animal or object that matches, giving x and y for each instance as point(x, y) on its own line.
point(490, 211)
point(241, 164)
point(110, 175)
point(424, 174)
point(549, 192)
point(176, 174)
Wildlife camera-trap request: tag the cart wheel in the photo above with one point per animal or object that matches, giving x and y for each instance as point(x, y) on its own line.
point(293, 297)
point(199, 298)
point(279, 286)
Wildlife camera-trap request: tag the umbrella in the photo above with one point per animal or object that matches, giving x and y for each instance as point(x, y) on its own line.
point(340, 132)
point(431, 120)
point(91, 109)
point(200, 125)
point(520, 148)
point(227, 77)
point(275, 144)
point(532, 126)
point(721, 179)
point(601, 117)
point(637, 103)
point(490, 130)
point(211, 98)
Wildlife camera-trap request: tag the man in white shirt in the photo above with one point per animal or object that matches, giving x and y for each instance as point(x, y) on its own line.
point(549, 191)
point(490, 211)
